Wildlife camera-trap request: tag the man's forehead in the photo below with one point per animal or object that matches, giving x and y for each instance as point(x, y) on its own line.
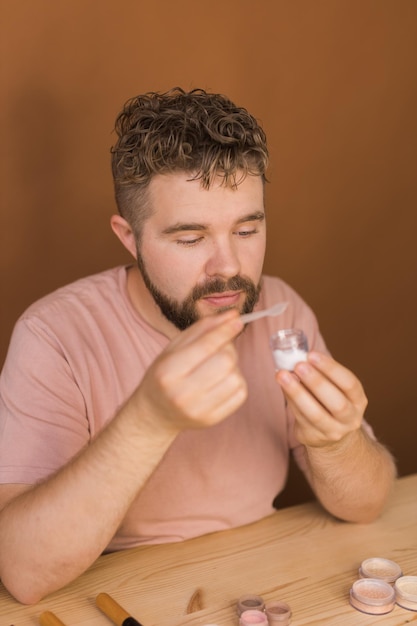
point(178, 194)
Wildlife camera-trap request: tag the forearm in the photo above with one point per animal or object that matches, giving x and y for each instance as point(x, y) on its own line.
point(51, 533)
point(353, 477)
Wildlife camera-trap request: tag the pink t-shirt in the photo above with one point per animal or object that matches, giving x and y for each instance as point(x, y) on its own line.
point(77, 355)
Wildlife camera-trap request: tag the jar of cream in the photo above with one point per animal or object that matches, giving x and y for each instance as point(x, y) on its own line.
point(289, 347)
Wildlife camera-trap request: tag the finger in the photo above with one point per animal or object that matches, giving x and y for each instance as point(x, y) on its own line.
point(336, 402)
point(199, 391)
point(220, 401)
point(211, 336)
point(340, 376)
point(314, 423)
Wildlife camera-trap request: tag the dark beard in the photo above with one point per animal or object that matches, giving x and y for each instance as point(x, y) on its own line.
point(182, 315)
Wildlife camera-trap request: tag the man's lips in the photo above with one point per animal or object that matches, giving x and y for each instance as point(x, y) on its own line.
point(227, 298)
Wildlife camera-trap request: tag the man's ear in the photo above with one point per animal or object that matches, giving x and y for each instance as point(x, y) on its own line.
point(124, 232)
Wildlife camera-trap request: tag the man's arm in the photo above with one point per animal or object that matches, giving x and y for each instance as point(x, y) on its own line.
point(351, 474)
point(52, 532)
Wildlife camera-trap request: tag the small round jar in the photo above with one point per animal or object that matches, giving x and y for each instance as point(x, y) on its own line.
point(373, 596)
point(383, 569)
point(278, 613)
point(248, 618)
point(289, 347)
point(249, 602)
point(406, 592)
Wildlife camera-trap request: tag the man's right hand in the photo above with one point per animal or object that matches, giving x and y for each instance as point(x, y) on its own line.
point(195, 382)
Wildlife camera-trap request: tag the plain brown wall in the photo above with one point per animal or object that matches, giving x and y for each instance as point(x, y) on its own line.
point(334, 84)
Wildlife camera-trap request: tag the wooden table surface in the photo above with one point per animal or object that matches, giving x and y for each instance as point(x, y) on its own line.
point(299, 555)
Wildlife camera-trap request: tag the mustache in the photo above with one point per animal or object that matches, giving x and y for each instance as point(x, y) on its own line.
point(217, 285)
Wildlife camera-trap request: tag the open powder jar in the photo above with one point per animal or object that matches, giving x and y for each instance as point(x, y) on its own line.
point(278, 613)
point(406, 592)
point(371, 595)
point(384, 569)
point(249, 602)
point(253, 617)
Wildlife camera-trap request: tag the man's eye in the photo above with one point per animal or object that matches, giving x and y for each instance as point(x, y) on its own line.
point(246, 233)
point(189, 242)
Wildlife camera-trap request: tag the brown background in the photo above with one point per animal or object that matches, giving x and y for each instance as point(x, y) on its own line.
point(334, 84)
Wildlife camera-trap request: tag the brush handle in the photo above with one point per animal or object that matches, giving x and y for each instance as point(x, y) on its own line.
point(114, 611)
point(49, 619)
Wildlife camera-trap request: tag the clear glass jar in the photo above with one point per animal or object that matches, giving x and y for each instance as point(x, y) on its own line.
point(289, 347)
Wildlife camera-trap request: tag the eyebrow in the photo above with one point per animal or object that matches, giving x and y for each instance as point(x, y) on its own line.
point(259, 216)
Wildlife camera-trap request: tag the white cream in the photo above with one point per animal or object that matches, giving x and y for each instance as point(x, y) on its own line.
point(288, 359)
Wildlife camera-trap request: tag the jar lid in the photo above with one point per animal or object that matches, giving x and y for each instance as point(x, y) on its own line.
point(372, 595)
point(406, 592)
point(377, 567)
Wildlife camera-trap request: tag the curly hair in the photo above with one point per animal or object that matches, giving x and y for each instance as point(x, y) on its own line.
point(201, 133)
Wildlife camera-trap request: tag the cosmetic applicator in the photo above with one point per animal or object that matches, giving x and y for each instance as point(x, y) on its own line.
point(47, 618)
point(114, 611)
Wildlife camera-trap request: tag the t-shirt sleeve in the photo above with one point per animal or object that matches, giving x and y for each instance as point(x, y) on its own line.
point(43, 421)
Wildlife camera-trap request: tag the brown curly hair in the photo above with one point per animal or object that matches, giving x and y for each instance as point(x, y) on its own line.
point(201, 133)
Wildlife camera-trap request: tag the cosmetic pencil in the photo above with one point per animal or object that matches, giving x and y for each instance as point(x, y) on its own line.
point(49, 619)
point(114, 611)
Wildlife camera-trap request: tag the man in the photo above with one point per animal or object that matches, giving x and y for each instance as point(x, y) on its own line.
point(136, 408)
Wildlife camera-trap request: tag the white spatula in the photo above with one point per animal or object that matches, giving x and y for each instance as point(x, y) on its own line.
point(276, 309)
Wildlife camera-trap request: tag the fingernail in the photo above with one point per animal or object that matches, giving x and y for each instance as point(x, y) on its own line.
point(303, 368)
point(284, 377)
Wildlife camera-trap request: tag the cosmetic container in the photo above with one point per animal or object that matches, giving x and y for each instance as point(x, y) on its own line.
point(373, 596)
point(249, 602)
point(384, 569)
point(289, 347)
point(278, 613)
point(406, 592)
point(248, 618)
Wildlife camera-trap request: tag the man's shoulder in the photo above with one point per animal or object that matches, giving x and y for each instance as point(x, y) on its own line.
point(87, 292)
point(275, 289)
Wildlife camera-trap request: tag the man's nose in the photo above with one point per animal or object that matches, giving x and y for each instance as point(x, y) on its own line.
point(223, 261)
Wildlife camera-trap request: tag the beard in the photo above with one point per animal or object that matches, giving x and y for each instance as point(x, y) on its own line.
point(184, 314)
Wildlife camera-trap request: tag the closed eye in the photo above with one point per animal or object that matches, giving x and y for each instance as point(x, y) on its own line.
point(246, 233)
point(189, 242)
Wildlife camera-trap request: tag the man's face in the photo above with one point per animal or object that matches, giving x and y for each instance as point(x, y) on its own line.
point(202, 251)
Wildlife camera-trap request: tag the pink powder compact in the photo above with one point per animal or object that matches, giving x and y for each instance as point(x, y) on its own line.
point(406, 592)
point(384, 569)
point(372, 595)
point(248, 618)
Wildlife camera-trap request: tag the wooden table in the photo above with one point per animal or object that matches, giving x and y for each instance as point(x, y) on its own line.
point(299, 555)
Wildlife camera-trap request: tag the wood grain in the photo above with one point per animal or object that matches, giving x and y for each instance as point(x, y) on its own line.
point(299, 555)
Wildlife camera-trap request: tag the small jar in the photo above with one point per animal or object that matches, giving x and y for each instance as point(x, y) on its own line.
point(373, 596)
point(278, 613)
point(406, 592)
point(384, 569)
point(248, 618)
point(289, 347)
point(249, 602)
